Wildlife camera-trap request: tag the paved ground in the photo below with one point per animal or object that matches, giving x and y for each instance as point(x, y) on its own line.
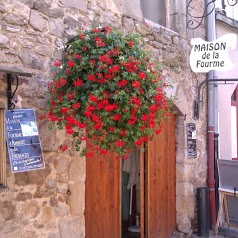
point(223, 233)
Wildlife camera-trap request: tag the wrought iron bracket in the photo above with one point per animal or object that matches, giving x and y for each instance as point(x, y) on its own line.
point(12, 74)
point(198, 100)
point(10, 94)
point(196, 21)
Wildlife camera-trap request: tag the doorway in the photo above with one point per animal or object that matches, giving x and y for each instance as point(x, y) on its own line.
point(131, 207)
point(157, 214)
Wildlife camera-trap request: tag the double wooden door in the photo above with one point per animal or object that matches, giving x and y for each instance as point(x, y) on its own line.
point(157, 190)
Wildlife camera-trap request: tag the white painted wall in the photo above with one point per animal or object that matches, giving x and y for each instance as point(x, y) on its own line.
point(224, 97)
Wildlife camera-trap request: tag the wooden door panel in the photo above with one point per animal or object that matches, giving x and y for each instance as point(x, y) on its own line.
point(160, 184)
point(103, 191)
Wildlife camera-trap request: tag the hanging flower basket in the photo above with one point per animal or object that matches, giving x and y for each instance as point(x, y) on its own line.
point(108, 88)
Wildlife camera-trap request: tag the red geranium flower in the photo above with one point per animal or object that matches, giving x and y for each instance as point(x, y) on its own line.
point(123, 83)
point(78, 82)
point(131, 43)
point(93, 98)
point(103, 151)
point(142, 75)
point(120, 143)
point(117, 117)
point(71, 63)
point(64, 147)
point(91, 77)
point(136, 84)
point(76, 105)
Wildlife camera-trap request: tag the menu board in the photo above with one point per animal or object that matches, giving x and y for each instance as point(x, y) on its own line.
point(191, 140)
point(23, 142)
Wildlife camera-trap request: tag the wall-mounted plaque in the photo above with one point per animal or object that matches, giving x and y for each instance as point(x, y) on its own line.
point(23, 141)
point(191, 140)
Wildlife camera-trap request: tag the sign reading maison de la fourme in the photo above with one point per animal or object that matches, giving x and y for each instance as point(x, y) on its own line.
point(23, 142)
point(213, 55)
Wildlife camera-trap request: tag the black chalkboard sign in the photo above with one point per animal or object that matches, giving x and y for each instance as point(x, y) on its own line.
point(191, 140)
point(23, 141)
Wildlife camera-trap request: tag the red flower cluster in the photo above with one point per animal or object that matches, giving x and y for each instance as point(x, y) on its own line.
point(108, 90)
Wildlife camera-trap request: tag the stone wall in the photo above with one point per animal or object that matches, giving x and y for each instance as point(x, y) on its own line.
point(50, 202)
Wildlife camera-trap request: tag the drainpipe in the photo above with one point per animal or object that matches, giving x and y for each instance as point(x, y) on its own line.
point(211, 35)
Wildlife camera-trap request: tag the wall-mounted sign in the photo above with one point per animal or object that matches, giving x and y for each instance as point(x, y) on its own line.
point(23, 141)
point(213, 55)
point(191, 140)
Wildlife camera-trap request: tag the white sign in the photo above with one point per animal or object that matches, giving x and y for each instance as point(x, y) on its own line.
point(213, 55)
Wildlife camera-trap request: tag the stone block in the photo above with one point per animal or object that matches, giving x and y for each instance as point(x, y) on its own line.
point(29, 3)
point(77, 169)
point(62, 165)
point(53, 201)
point(46, 215)
point(76, 199)
point(72, 23)
point(182, 102)
point(186, 205)
point(31, 60)
point(50, 183)
point(43, 193)
point(99, 3)
point(37, 21)
point(21, 9)
point(4, 41)
point(46, 8)
point(63, 188)
point(184, 188)
point(61, 210)
point(62, 198)
point(30, 210)
point(15, 19)
point(72, 227)
point(44, 50)
point(38, 176)
point(184, 223)
point(128, 25)
point(56, 27)
point(184, 172)
point(48, 137)
point(7, 210)
point(114, 6)
point(53, 235)
point(110, 18)
point(28, 234)
point(23, 196)
point(21, 179)
point(3, 9)
point(79, 4)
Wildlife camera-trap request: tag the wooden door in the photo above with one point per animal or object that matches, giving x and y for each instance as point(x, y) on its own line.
point(103, 197)
point(160, 191)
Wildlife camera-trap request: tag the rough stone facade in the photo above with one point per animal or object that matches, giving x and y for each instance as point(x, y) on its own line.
point(50, 203)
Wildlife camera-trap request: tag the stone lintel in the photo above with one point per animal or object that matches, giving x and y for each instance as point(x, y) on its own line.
point(17, 71)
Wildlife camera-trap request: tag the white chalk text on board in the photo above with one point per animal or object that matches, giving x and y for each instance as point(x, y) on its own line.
point(23, 142)
point(212, 55)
